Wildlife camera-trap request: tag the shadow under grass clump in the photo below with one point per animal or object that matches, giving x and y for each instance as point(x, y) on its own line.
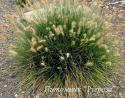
point(67, 46)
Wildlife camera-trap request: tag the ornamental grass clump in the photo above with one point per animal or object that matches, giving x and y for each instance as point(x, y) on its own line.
point(65, 46)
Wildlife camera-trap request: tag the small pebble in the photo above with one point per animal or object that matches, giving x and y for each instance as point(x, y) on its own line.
point(5, 85)
point(1, 94)
point(16, 95)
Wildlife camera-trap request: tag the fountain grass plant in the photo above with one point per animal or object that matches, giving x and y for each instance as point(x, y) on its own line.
point(68, 45)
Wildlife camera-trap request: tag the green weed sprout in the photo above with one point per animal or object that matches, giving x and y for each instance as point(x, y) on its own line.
point(20, 2)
